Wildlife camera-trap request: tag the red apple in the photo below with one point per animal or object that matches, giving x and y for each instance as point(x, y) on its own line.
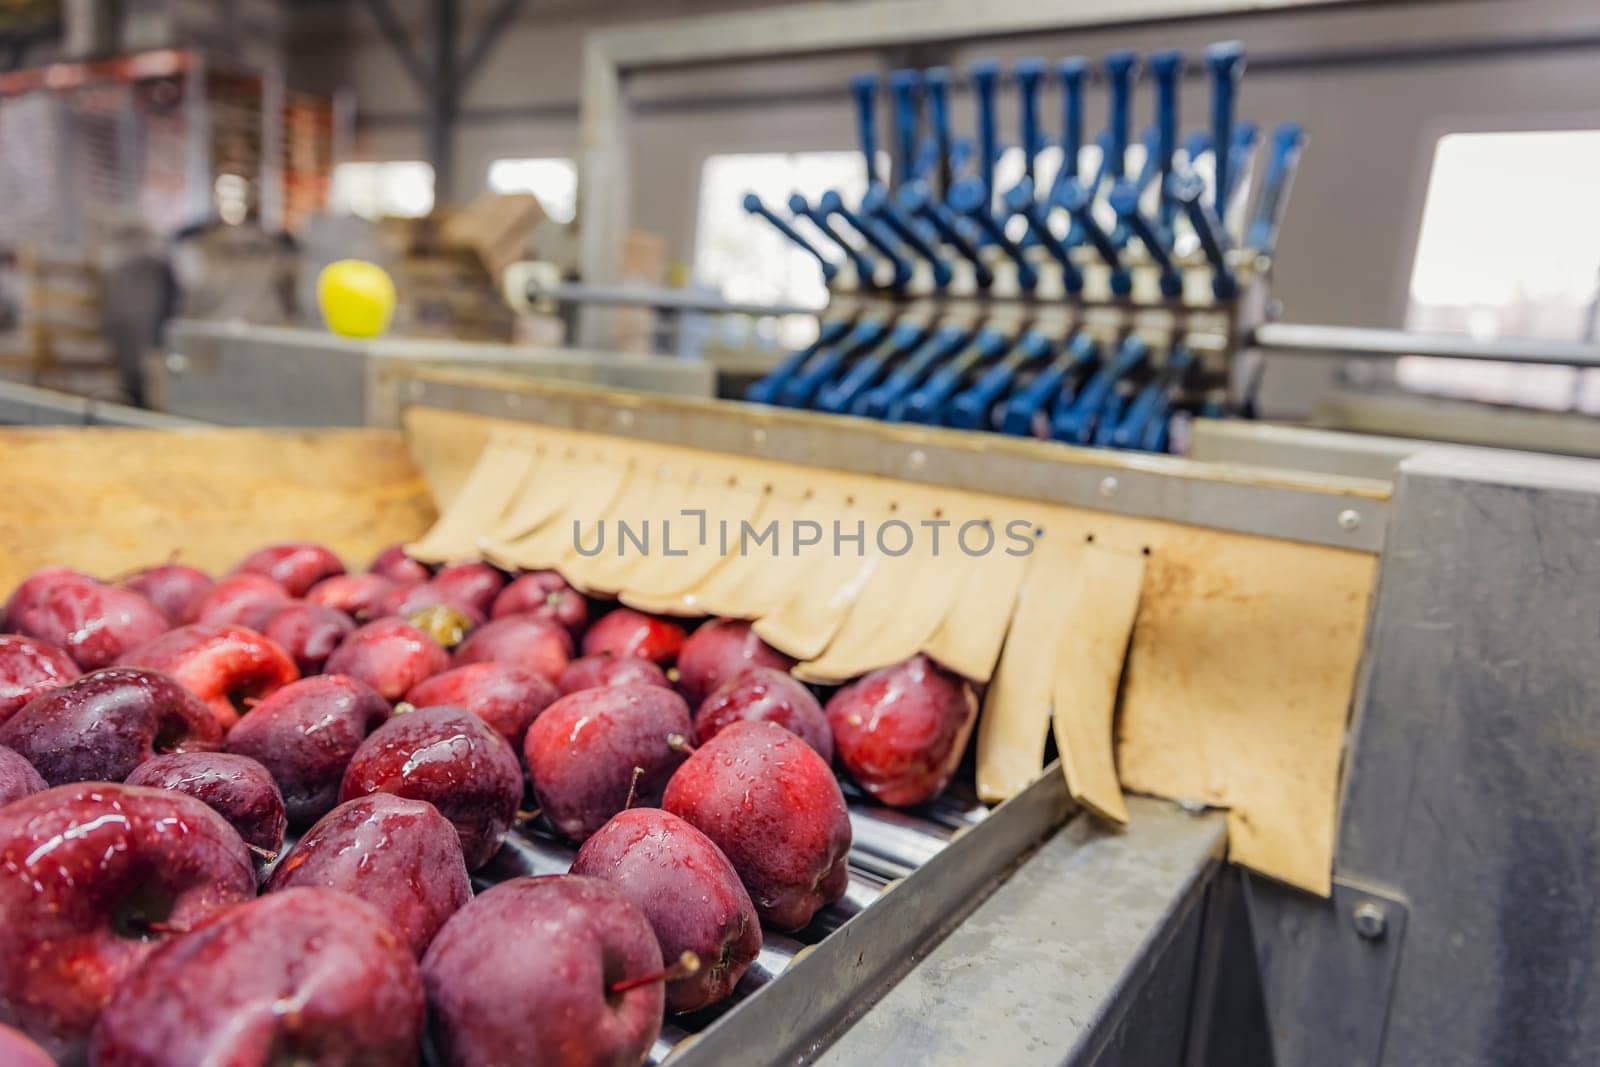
point(305, 734)
point(390, 655)
point(228, 667)
point(538, 645)
point(719, 650)
point(473, 584)
point(687, 889)
point(296, 566)
point(399, 855)
point(102, 726)
point(507, 698)
point(172, 587)
point(28, 668)
point(544, 595)
point(583, 751)
point(18, 779)
point(761, 694)
point(393, 564)
point(303, 976)
point(771, 804)
point(594, 672)
point(235, 787)
point(901, 731)
point(308, 632)
point(17, 1049)
point(239, 600)
point(93, 877)
point(91, 622)
point(536, 971)
point(625, 632)
point(453, 760)
point(357, 595)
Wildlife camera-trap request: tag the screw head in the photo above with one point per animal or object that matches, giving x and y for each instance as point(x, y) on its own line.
point(1108, 486)
point(625, 417)
point(758, 436)
point(916, 460)
point(1370, 921)
point(1349, 519)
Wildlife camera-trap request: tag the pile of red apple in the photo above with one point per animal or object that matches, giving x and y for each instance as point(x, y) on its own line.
point(161, 733)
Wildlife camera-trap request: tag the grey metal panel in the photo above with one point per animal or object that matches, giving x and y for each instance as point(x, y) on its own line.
point(1471, 785)
point(1266, 444)
point(822, 989)
point(1290, 337)
point(28, 405)
point(1435, 418)
point(242, 375)
point(1056, 964)
point(1343, 512)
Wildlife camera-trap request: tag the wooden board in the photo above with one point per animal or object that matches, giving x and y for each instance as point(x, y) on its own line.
point(1239, 672)
point(110, 500)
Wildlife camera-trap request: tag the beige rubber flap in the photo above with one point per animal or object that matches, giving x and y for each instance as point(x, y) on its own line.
point(719, 511)
point(1016, 713)
point(497, 479)
point(1101, 603)
point(968, 640)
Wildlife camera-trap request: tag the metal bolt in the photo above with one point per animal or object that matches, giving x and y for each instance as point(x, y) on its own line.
point(513, 401)
point(917, 458)
point(1371, 922)
point(1108, 486)
point(758, 436)
point(625, 418)
point(177, 362)
point(1349, 519)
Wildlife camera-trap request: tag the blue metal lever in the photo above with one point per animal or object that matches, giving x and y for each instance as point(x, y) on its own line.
point(838, 396)
point(973, 407)
point(767, 389)
point(1153, 401)
point(1024, 412)
point(985, 76)
point(800, 389)
point(1029, 73)
point(1021, 201)
point(1225, 60)
point(969, 197)
point(936, 83)
point(926, 404)
point(1166, 67)
point(1288, 140)
point(753, 204)
point(1076, 200)
point(917, 200)
point(1070, 73)
point(876, 204)
point(1119, 67)
point(833, 204)
point(1078, 420)
point(865, 267)
point(1188, 189)
point(1125, 202)
point(865, 89)
point(905, 85)
point(878, 401)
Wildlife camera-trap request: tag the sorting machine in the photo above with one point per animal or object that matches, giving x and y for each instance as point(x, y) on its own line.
point(1101, 302)
point(1437, 913)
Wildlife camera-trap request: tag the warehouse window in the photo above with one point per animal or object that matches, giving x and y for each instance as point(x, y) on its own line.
point(375, 190)
point(554, 181)
point(743, 257)
point(1509, 247)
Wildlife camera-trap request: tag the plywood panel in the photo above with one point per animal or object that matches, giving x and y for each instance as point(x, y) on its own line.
point(109, 500)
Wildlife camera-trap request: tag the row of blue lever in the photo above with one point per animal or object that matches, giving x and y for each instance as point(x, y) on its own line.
point(983, 379)
point(937, 204)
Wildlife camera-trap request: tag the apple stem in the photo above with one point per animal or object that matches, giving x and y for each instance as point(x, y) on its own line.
point(403, 708)
point(265, 853)
point(157, 926)
point(633, 788)
point(687, 966)
point(526, 815)
point(679, 743)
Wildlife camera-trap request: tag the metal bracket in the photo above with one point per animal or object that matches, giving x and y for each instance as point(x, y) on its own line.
point(1352, 943)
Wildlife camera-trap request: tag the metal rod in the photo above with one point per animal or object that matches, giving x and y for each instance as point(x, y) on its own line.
point(1356, 341)
point(660, 298)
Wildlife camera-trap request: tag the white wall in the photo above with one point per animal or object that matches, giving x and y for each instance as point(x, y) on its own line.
point(1347, 246)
